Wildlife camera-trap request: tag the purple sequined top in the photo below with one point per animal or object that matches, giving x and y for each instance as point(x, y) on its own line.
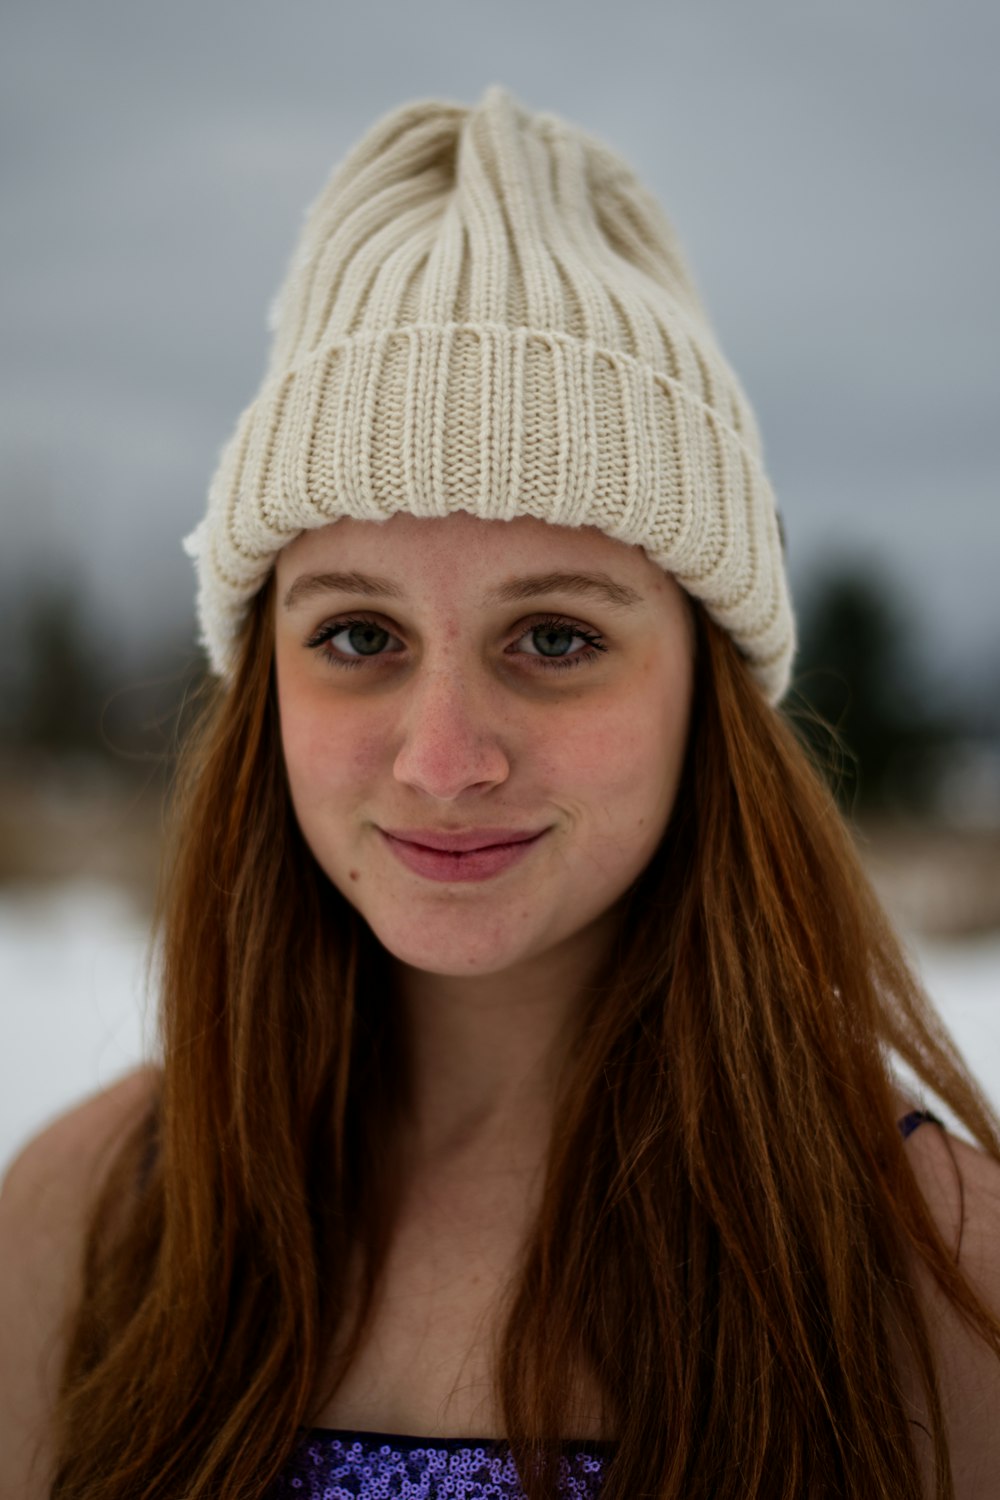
point(329, 1465)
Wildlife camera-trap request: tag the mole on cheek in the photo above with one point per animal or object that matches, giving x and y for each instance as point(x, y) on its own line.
point(353, 874)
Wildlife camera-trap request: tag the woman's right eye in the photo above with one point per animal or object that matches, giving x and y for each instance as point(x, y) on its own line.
point(366, 638)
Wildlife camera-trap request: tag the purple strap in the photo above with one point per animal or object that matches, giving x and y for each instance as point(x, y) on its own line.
point(909, 1123)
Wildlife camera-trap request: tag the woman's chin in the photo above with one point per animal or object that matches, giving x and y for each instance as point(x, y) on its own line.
point(455, 953)
point(444, 941)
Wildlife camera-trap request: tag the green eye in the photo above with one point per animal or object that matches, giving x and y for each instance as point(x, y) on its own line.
point(361, 635)
point(367, 638)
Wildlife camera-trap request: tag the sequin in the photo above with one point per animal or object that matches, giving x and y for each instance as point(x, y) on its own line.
point(375, 1466)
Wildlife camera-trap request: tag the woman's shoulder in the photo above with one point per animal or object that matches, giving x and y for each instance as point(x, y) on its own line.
point(57, 1169)
point(961, 1186)
point(46, 1196)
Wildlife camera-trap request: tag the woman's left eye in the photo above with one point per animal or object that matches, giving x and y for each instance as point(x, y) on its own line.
point(366, 638)
point(553, 630)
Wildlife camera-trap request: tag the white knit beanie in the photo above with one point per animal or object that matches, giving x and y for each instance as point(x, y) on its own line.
point(487, 311)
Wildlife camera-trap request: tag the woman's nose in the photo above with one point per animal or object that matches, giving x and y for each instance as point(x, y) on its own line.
point(450, 737)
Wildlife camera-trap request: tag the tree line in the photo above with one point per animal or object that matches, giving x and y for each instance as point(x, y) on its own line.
point(864, 700)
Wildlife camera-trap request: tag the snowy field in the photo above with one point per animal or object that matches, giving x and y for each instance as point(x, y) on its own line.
point(74, 1012)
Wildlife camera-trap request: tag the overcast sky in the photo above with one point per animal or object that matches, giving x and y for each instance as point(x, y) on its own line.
point(831, 170)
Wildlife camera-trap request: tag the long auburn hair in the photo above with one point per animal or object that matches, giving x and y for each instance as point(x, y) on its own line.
point(728, 1213)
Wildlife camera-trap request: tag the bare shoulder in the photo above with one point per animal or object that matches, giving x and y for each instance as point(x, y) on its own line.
point(45, 1199)
point(961, 1185)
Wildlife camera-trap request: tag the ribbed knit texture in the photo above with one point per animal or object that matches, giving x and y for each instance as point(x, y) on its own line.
point(487, 311)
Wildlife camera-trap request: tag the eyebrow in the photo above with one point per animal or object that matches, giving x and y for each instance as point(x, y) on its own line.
point(583, 585)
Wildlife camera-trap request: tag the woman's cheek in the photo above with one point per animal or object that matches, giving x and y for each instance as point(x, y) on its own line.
point(338, 749)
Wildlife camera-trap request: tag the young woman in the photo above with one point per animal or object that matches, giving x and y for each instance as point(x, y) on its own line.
point(526, 1120)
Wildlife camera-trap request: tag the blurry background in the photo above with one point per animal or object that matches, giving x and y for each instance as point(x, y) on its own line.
point(831, 171)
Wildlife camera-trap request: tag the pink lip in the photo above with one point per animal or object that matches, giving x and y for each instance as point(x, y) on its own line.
point(454, 866)
point(463, 843)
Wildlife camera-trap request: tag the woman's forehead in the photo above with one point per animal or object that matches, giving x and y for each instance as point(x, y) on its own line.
point(413, 547)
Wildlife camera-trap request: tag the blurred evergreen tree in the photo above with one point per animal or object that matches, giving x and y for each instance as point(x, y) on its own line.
point(859, 674)
point(65, 688)
point(63, 671)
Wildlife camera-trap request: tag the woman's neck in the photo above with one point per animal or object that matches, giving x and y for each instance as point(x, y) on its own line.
point(485, 1054)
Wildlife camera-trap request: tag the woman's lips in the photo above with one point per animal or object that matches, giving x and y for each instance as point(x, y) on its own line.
point(455, 865)
point(463, 842)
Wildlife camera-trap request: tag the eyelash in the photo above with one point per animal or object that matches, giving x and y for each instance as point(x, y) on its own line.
point(595, 642)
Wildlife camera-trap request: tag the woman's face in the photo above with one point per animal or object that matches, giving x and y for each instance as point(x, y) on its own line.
point(479, 693)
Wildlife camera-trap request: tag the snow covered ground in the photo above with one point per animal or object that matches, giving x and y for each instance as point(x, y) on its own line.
point(74, 1008)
